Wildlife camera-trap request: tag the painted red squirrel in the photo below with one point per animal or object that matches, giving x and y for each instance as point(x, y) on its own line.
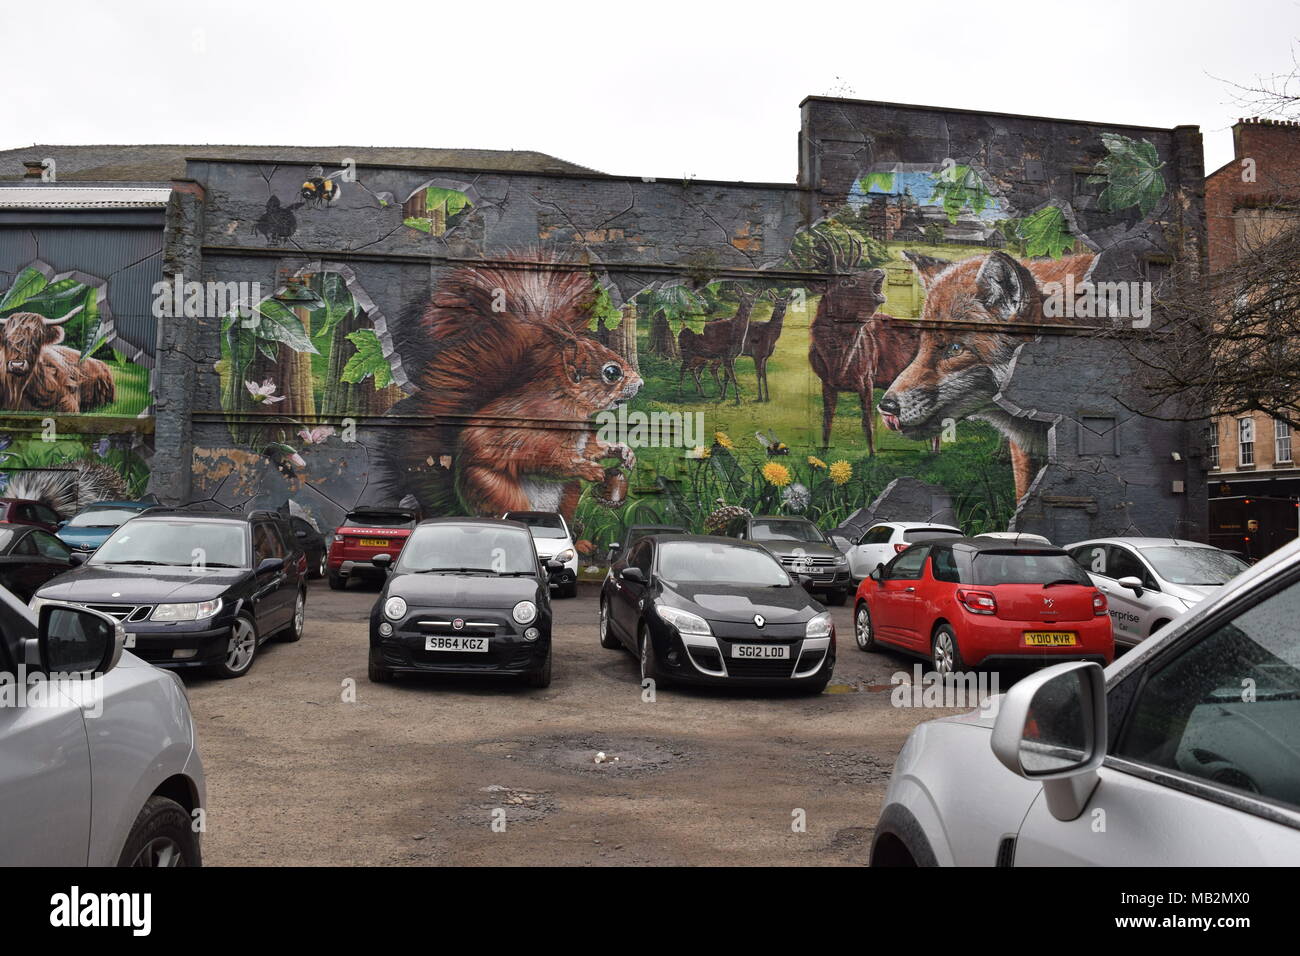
point(511, 384)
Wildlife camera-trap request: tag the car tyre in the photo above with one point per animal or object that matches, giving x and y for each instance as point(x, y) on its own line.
point(945, 654)
point(837, 597)
point(337, 581)
point(162, 835)
point(648, 659)
point(542, 676)
point(864, 634)
point(242, 652)
point(377, 674)
point(608, 639)
point(293, 633)
point(569, 590)
point(321, 569)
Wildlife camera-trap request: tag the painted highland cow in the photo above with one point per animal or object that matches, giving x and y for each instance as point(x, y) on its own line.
point(39, 374)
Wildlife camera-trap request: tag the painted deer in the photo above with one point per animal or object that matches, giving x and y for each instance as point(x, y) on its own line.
point(761, 343)
point(843, 350)
point(718, 346)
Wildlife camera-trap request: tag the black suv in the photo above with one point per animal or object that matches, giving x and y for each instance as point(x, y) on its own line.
point(194, 588)
point(802, 548)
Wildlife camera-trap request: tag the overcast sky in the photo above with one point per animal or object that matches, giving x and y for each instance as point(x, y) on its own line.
point(658, 89)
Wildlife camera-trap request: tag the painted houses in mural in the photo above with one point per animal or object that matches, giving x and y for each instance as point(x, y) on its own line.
point(923, 302)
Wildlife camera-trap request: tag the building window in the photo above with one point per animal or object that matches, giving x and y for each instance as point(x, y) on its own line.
point(1245, 441)
point(1212, 444)
point(1282, 442)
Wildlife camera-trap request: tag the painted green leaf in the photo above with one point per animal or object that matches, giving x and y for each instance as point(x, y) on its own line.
point(368, 362)
point(882, 181)
point(29, 282)
point(603, 311)
point(277, 322)
point(1131, 171)
point(1046, 233)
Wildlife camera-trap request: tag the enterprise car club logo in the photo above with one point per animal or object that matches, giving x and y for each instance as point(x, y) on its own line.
point(759, 620)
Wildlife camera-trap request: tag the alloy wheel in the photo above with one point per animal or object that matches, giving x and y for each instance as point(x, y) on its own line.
point(160, 852)
point(243, 644)
point(862, 628)
point(944, 653)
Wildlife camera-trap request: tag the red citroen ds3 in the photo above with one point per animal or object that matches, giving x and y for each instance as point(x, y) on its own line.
point(967, 602)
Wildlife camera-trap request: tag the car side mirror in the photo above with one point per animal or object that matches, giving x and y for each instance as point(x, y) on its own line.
point(877, 573)
point(300, 533)
point(268, 565)
point(1131, 582)
point(804, 579)
point(384, 561)
point(635, 575)
point(76, 558)
point(74, 641)
point(1051, 726)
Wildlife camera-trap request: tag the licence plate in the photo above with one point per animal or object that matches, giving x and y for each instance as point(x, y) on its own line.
point(435, 642)
point(762, 652)
point(1050, 638)
point(374, 542)
point(129, 641)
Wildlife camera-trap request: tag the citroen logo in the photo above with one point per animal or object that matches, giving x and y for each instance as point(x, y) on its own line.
point(759, 620)
point(1049, 602)
point(458, 624)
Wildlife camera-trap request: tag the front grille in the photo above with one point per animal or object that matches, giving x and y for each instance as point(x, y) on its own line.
point(123, 612)
point(809, 560)
point(744, 667)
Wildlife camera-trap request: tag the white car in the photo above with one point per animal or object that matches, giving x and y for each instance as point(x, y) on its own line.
point(97, 770)
point(1016, 537)
point(1150, 581)
point(1184, 752)
point(884, 539)
point(554, 542)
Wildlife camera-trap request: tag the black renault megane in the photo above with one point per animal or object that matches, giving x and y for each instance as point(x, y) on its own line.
point(715, 610)
point(465, 596)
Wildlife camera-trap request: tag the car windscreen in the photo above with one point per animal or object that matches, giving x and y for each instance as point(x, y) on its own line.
point(541, 525)
point(176, 543)
point(786, 530)
point(485, 548)
point(378, 519)
point(1193, 566)
point(7, 536)
point(712, 562)
point(1025, 567)
point(102, 518)
point(929, 534)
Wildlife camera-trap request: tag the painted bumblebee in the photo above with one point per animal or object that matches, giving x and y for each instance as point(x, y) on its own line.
point(772, 444)
point(320, 190)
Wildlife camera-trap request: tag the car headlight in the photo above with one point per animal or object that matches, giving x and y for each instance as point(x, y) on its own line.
point(565, 556)
point(839, 560)
point(684, 621)
point(525, 612)
point(186, 612)
point(395, 608)
point(820, 626)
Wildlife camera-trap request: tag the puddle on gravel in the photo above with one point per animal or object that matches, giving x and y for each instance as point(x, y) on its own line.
point(623, 755)
point(851, 766)
point(520, 806)
point(842, 688)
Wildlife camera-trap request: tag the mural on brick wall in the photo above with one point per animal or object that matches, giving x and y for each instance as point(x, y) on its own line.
point(61, 361)
point(550, 381)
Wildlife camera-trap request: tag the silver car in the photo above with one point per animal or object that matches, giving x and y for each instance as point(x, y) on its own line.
point(1184, 752)
point(97, 759)
point(1150, 581)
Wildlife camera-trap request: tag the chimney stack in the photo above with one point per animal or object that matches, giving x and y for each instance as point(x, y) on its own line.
point(33, 169)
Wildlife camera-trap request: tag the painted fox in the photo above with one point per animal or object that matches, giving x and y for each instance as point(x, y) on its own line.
point(957, 373)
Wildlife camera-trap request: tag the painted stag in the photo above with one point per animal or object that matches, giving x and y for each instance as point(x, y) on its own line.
point(843, 349)
point(38, 374)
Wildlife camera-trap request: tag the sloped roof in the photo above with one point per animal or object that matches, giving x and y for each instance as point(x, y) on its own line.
point(164, 162)
point(59, 196)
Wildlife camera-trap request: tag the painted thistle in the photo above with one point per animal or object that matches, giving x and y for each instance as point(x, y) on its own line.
point(776, 474)
point(841, 471)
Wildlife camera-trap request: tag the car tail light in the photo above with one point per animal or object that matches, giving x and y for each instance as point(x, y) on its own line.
point(977, 602)
point(338, 539)
point(900, 548)
point(1099, 606)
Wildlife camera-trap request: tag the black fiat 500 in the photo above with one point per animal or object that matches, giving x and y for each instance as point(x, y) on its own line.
point(465, 596)
point(715, 610)
point(195, 589)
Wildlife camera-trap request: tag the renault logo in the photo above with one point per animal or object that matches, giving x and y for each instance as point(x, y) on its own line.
point(759, 620)
point(458, 624)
